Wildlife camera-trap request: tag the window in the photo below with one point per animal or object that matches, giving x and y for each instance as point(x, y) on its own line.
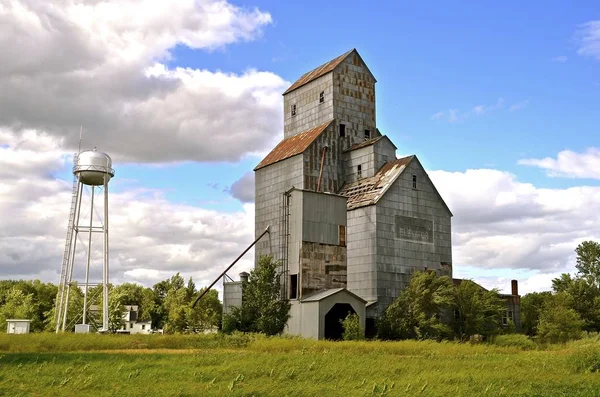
point(322, 97)
point(143, 326)
point(130, 325)
point(508, 316)
point(293, 110)
point(342, 130)
point(359, 171)
point(342, 233)
point(414, 181)
point(367, 134)
point(293, 286)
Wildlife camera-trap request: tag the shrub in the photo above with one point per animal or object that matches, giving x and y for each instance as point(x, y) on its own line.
point(586, 359)
point(352, 328)
point(514, 340)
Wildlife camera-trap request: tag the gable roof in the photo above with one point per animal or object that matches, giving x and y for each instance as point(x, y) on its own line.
point(368, 191)
point(319, 296)
point(323, 70)
point(293, 145)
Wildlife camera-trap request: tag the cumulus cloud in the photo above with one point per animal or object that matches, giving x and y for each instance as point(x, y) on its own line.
point(570, 164)
point(104, 66)
point(150, 237)
point(501, 223)
point(589, 39)
point(243, 188)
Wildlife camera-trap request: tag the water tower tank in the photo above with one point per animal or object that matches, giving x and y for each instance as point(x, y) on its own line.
point(92, 166)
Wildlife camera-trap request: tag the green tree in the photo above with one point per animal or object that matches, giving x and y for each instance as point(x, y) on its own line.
point(352, 328)
point(584, 298)
point(160, 314)
point(116, 310)
point(531, 310)
point(262, 309)
point(207, 313)
point(17, 305)
point(476, 310)
point(416, 313)
point(74, 312)
point(559, 323)
point(588, 261)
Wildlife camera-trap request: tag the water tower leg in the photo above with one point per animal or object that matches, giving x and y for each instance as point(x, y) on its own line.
point(72, 257)
point(89, 256)
point(105, 273)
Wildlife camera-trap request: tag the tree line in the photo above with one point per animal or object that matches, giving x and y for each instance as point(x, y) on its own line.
point(430, 307)
point(168, 305)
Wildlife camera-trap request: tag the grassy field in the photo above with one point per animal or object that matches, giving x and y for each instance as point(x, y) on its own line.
point(240, 365)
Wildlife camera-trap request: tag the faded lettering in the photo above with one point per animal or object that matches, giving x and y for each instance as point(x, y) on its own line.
point(414, 229)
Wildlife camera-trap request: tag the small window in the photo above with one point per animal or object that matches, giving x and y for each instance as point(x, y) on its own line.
point(322, 97)
point(342, 233)
point(359, 171)
point(342, 130)
point(367, 134)
point(143, 326)
point(414, 181)
point(293, 110)
point(130, 325)
point(293, 286)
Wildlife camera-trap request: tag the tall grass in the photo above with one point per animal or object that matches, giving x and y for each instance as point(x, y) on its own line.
point(247, 365)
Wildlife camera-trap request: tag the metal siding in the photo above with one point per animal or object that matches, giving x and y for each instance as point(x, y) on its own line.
point(309, 111)
point(397, 258)
point(271, 182)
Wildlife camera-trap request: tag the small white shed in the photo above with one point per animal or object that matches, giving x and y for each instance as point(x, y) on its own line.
point(318, 316)
point(18, 326)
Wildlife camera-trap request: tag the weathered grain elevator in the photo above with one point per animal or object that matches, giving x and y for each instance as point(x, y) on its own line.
point(348, 220)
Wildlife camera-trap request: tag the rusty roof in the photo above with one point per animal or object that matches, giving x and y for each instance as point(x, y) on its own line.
point(293, 145)
point(318, 72)
point(368, 191)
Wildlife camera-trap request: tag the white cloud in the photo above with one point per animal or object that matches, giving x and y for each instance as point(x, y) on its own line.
point(518, 106)
point(560, 59)
point(455, 115)
point(103, 66)
point(502, 224)
point(243, 189)
point(450, 115)
point(570, 164)
point(589, 39)
point(150, 237)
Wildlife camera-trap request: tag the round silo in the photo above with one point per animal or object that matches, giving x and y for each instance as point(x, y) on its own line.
point(92, 167)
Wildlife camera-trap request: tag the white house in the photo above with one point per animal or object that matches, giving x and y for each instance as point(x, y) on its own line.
point(131, 324)
point(18, 326)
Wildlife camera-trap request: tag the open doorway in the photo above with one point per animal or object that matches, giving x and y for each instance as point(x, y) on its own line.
point(333, 325)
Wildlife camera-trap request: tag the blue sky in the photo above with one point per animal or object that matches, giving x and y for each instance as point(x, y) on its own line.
point(472, 88)
point(428, 59)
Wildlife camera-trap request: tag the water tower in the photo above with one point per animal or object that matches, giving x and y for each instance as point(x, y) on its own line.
point(92, 171)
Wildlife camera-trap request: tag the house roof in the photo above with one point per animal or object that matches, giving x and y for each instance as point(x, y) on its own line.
point(318, 72)
point(323, 70)
point(368, 191)
point(293, 145)
point(319, 296)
